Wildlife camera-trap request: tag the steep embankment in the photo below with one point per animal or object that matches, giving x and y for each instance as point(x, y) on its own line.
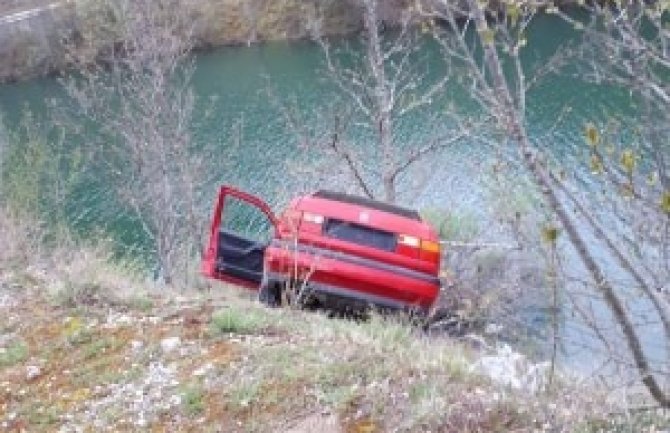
point(86, 344)
point(75, 358)
point(197, 363)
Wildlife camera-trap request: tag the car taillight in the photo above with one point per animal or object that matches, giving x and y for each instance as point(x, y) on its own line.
point(408, 246)
point(412, 246)
point(430, 246)
point(312, 218)
point(409, 241)
point(430, 251)
point(311, 222)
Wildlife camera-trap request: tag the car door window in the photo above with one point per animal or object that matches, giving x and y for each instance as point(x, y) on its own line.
point(246, 220)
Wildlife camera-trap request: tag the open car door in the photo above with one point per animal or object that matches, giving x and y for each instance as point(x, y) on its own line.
point(242, 227)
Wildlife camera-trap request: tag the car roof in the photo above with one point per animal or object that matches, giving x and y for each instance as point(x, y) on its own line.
point(369, 203)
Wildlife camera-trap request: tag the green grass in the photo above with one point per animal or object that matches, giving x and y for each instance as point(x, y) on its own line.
point(243, 394)
point(193, 399)
point(98, 347)
point(41, 416)
point(141, 302)
point(80, 337)
point(236, 320)
point(17, 352)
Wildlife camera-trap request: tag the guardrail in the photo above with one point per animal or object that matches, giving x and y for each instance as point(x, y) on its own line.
point(461, 244)
point(27, 14)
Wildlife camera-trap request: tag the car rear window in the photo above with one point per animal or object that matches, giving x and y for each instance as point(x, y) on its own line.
point(360, 234)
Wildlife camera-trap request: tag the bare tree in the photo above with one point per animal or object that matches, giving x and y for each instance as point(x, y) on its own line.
point(502, 36)
point(384, 85)
point(138, 98)
point(629, 47)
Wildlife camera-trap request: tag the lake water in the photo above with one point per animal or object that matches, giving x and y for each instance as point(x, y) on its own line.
point(231, 85)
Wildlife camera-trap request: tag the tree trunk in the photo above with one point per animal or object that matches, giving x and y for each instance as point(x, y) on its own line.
point(389, 189)
point(383, 99)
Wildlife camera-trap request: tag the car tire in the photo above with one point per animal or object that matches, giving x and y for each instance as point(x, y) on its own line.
point(269, 294)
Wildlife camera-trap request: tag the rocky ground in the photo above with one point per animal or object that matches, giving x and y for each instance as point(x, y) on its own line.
point(216, 361)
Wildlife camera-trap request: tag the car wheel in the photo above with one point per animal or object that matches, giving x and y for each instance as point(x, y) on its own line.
point(269, 294)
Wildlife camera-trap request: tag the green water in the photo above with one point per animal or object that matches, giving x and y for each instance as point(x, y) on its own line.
point(231, 85)
point(234, 82)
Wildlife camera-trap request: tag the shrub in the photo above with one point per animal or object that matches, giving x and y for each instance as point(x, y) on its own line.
point(452, 225)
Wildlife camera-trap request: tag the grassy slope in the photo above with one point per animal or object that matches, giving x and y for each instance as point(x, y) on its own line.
point(237, 366)
point(85, 346)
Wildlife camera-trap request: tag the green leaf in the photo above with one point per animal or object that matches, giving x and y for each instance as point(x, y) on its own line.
point(665, 202)
point(513, 12)
point(591, 134)
point(550, 233)
point(628, 161)
point(487, 36)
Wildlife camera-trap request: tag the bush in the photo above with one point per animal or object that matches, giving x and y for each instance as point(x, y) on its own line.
point(451, 225)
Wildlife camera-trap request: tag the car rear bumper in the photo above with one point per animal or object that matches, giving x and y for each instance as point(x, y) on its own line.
point(342, 276)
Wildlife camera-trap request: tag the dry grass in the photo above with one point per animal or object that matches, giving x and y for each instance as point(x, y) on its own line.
point(107, 365)
point(21, 239)
point(69, 271)
point(98, 337)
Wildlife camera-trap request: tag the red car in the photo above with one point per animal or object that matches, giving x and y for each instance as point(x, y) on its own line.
point(342, 250)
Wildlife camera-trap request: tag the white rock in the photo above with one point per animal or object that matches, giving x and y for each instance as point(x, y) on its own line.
point(493, 329)
point(203, 370)
point(511, 369)
point(115, 320)
point(7, 301)
point(169, 344)
point(136, 345)
point(32, 372)
point(476, 341)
